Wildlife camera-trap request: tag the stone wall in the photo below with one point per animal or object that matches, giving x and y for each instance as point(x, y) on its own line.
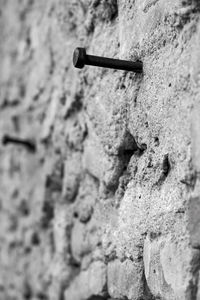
point(102, 200)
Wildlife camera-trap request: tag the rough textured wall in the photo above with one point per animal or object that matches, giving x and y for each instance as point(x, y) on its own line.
point(107, 202)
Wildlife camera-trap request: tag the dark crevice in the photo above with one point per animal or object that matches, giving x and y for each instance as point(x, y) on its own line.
point(48, 214)
point(95, 297)
point(35, 239)
point(165, 171)
point(121, 176)
point(147, 293)
point(27, 291)
point(190, 180)
point(166, 165)
point(192, 289)
point(76, 105)
point(54, 182)
point(102, 11)
point(38, 94)
point(71, 260)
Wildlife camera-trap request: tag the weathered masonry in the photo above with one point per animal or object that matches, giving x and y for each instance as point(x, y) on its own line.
point(99, 168)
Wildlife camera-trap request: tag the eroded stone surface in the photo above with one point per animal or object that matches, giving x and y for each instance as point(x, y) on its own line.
point(166, 262)
point(125, 279)
point(91, 282)
point(96, 211)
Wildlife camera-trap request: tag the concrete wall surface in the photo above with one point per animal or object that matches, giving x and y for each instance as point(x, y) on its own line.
point(101, 200)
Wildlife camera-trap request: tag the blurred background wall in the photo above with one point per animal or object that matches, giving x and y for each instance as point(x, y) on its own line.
point(102, 197)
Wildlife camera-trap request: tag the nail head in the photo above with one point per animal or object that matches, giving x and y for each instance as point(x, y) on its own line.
point(79, 58)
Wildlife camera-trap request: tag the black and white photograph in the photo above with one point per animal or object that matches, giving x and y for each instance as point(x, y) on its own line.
point(99, 149)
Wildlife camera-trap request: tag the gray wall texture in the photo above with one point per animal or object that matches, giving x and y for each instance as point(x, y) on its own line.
point(108, 204)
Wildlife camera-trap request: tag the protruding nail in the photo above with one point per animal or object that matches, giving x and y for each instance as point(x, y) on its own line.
point(80, 59)
point(29, 144)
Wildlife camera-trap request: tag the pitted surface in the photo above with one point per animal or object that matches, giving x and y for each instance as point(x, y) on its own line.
point(107, 206)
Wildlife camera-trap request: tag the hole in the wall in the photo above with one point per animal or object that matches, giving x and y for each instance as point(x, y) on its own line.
point(125, 151)
point(128, 148)
point(156, 141)
point(164, 42)
point(125, 168)
point(154, 235)
point(142, 148)
point(180, 211)
point(122, 86)
point(35, 239)
point(129, 145)
point(76, 214)
point(99, 244)
point(150, 163)
point(166, 165)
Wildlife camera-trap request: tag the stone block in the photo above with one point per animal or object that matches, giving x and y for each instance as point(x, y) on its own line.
point(167, 263)
point(91, 282)
point(78, 242)
point(125, 279)
point(84, 239)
